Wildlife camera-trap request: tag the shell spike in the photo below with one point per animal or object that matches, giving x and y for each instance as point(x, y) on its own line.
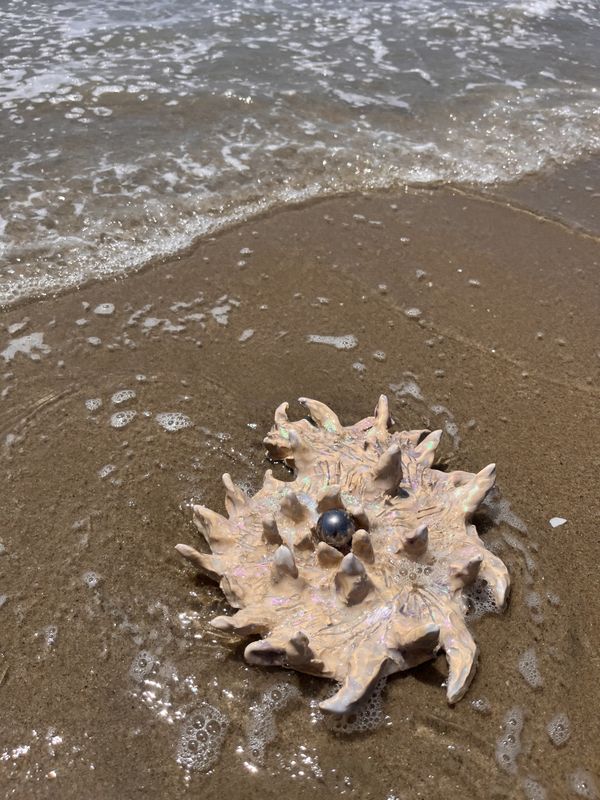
point(327, 555)
point(270, 482)
point(414, 639)
point(464, 571)
point(415, 542)
point(214, 528)
point(281, 417)
point(383, 419)
point(299, 651)
point(360, 516)
point(364, 671)
point(495, 573)
point(461, 654)
point(425, 451)
point(279, 650)
point(284, 563)
point(474, 491)
point(362, 546)
point(271, 533)
point(235, 498)
point(388, 471)
point(247, 621)
point(322, 415)
point(292, 508)
point(265, 653)
point(330, 499)
point(208, 565)
point(299, 452)
point(352, 581)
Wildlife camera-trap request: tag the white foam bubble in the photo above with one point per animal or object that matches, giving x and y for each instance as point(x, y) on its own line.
point(201, 737)
point(173, 420)
point(104, 309)
point(347, 342)
point(369, 716)
point(17, 326)
point(123, 396)
point(90, 579)
point(261, 728)
point(529, 669)
point(408, 387)
point(481, 705)
point(50, 634)
point(122, 418)
point(106, 470)
point(582, 782)
point(533, 790)
point(480, 600)
point(559, 729)
point(141, 666)
point(30, 345)
point(221, 313)
point(93, 404)
point(533, 601)
point(245, 335)
point(508, 746)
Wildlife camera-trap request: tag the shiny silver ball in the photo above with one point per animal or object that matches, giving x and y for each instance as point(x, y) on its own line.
point(336, 528)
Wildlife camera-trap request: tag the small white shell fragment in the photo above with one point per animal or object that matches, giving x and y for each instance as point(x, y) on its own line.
point(556, 521)
point(104, 309)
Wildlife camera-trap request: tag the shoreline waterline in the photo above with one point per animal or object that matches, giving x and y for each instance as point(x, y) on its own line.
point(526, 195)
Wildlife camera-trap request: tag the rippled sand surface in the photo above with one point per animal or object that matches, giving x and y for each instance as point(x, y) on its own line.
point(123, 402)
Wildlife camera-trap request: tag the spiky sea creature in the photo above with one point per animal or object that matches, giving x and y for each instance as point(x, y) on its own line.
point(356, 568)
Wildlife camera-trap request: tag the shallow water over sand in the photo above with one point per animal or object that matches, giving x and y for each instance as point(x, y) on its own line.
point(126, 136)
point(126, 401)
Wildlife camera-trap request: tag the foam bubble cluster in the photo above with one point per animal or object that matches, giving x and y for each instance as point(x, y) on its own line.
point(480, 600)
point(202, 735)
point(141, 666)
point(347, 342)
point(508, 746)
point(173, 420)
point(261, 728)
point(533, 790)
point(122, 418)
point(583, 784)
point(559, 729)
point(123, 396)
point(90, 579)
point(368, 717)
point(106, 470)
point(529, 669)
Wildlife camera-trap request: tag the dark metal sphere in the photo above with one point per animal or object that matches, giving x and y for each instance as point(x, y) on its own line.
point(336, 528)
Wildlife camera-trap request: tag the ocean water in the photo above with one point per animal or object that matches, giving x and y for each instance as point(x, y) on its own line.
point(127, 130)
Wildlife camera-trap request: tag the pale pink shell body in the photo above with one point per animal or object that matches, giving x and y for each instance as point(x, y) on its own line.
point(390, 603)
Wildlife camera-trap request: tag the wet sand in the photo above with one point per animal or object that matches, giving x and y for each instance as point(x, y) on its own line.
point(472, 316)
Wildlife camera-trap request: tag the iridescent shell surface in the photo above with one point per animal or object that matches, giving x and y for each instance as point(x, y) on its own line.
point(393, 596)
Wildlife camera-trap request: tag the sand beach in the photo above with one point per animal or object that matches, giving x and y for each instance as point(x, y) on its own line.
point(124, 401)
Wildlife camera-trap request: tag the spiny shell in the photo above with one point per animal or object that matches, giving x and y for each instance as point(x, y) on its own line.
point(387, 605)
